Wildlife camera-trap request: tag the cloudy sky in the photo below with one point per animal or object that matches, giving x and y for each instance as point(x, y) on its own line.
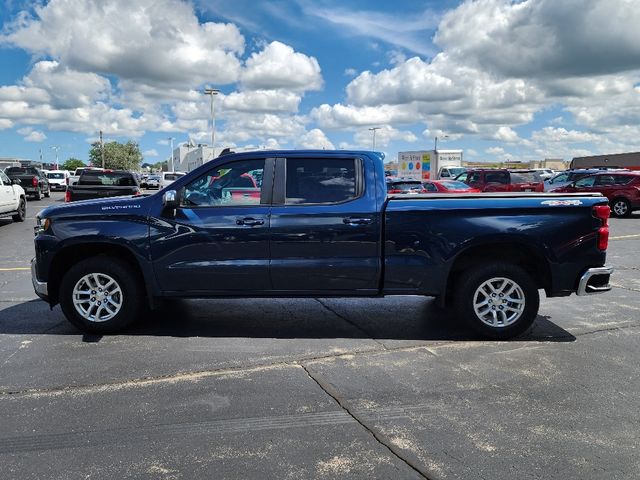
point(500, 79)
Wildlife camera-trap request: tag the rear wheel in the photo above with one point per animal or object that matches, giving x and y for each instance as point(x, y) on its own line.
point(47, 194)
point(498, 301)
point(22, 211)
point(620, 207)
point(101, 295)
point(37, 195)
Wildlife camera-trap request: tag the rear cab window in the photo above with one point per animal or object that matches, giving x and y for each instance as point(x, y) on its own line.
point(98, 178)
point(322, 181)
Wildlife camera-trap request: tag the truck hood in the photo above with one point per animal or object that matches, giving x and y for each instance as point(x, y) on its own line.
point(126, 204)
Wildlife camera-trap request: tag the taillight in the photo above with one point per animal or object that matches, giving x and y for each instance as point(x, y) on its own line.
point(602, 212)
point(67, 196)
point(394, 191)
point(34, 181)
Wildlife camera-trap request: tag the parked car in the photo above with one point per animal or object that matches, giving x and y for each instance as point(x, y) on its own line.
point(621, 188)
point(58, 179)
point(13, 200)
point(395, 186)
point(168, 178)
point(449, 173)
point(447, 186)
point(565, 178)
point(32, 180)
point(323, 225)
point(545, 173)
point(502, 180)
point(152, 181)
point(103, 183)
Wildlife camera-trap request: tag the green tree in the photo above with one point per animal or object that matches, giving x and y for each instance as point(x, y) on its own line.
point(72, 163)
point(117, 156)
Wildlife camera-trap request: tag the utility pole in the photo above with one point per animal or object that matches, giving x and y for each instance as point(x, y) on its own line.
point(373, 129)
point(102, 148)
point(212, 92)
point(56, 148)
point(171, 140)
point(435, 143)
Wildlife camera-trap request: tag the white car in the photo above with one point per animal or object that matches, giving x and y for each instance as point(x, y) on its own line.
point(153, 181)
point(73, 179)
point(58, 179)
point(13, 201)
point(169, 177)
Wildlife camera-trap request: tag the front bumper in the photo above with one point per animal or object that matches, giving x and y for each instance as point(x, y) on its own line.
point(40, 287)
point(595, 280)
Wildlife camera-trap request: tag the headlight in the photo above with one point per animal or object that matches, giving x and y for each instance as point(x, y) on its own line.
point(42, 225)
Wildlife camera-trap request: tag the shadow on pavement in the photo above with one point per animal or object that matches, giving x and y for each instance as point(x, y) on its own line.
point(286, 319)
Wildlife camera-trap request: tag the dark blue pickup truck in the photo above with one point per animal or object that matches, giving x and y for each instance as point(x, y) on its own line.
point(318, 224)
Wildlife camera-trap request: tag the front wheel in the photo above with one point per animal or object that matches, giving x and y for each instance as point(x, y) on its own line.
point(101, 295)
point(498, 301)
point(22, 211)
point(621, 208)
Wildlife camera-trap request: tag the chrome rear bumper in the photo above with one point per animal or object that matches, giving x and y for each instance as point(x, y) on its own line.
point(595, 280)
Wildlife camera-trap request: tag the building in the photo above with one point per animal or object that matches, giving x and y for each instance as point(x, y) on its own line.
point(615, 160)
point(189, 156)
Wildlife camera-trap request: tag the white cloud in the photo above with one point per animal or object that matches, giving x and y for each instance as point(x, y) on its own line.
point(150, 153)
point(506, 134)
point(262, 101)
point(158, 42)
point(278, 66)
point(495, 150)
point(5, 123)
point(544, 38)
point(315, 139)
point(350, 72)
point(384, 136)
point(32, 135)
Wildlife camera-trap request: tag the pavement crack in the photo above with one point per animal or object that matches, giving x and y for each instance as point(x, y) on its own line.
point(350, 322)
point(327, 388)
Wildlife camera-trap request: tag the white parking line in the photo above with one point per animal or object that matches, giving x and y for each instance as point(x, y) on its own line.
point(625, 237)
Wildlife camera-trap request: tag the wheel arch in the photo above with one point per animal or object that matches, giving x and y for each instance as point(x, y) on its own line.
point(75, 253)
point(524, 255)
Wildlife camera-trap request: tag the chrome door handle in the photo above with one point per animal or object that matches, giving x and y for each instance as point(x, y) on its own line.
point(249, 221)
point(357, 221)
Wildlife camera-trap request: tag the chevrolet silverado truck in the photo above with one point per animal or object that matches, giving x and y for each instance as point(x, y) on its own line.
point(13, 201)
point(318, 224)
point(102, 183)
point(33, 181)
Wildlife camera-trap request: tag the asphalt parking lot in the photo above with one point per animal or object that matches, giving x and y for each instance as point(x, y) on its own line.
point(320, 388)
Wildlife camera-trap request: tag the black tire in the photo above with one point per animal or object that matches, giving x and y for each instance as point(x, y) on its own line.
point(47, 194)
point(620, 207)
point(37, 195)
point(132, 296)
point(467, 294)
point(22, 211)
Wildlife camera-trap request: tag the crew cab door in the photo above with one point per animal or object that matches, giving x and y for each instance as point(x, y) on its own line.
point(325, 226)
point(217, 241)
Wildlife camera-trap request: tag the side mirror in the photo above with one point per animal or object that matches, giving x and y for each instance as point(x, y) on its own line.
point(170, 199)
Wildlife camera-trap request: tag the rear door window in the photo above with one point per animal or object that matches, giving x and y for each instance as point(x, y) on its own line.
point(497, 177)
point(311, 181)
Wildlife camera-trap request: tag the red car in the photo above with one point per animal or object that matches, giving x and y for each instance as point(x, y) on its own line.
point(501, 180)
point(621, 188)
point(448, 186)
point(395, 185)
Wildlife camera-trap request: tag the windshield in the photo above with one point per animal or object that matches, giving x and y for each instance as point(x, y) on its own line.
point(56, 175)
point(453, 185)
point(21, 171)
point(525, 177)
point(404, 186)
point(173, 176)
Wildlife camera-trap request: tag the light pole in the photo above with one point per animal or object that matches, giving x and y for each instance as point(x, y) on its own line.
point(56, 148)
point(373, 129)
point(212, 92)
point(171, 140)
point(435, 146)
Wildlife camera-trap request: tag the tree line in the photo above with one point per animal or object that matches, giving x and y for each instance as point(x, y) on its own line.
point(117, 156)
